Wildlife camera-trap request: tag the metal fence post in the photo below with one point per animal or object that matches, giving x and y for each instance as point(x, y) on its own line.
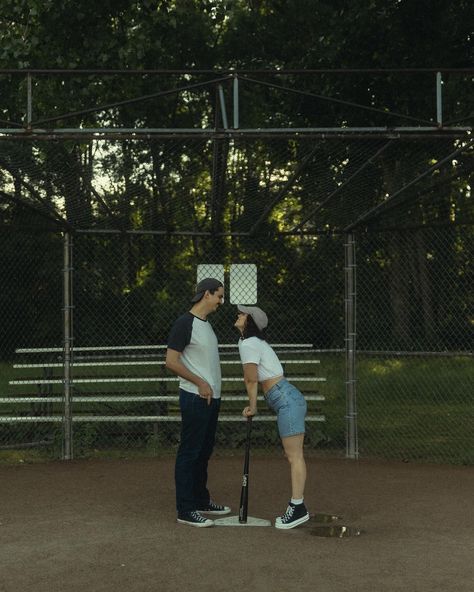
point(439, 98)
point(225, 123)
point(352, 449)
point(29, 100)
point(67, 346)
point(236, 102)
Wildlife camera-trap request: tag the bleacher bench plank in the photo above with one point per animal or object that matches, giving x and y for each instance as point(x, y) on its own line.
point(134, 356)
point(132, 418)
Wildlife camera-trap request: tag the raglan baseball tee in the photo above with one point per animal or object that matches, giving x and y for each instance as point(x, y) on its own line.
point(195, 339)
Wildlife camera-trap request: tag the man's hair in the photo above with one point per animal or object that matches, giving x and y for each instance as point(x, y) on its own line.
point(251, 330)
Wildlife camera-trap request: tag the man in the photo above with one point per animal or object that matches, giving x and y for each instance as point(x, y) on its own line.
point(193, 355)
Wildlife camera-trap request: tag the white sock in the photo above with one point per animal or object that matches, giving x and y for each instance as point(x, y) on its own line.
point(297, 502)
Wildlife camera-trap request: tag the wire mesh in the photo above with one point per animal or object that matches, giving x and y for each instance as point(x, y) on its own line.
point(415, 336)
point(127, 294)
point(31, 301)
point(254, 186)
point(143, 284)
point(414, 339)
point(145, 214)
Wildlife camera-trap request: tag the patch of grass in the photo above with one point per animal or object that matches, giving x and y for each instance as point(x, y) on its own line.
point(417, 408)
point(27, 456)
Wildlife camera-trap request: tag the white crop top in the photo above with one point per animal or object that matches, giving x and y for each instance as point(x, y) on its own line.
point(257, 351)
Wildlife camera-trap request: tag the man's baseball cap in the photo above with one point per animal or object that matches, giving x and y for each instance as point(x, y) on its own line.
point(259, 317)
point(203, 285)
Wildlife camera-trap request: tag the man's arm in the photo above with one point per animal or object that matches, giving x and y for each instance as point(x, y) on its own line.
point(173, 363)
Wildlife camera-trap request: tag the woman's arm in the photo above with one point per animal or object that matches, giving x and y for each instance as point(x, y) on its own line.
point(251, 384)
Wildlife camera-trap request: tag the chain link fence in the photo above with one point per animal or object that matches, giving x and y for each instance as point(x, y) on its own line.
point(31, 303)
point(107, 222)
point(415, 332)
point(414, 339)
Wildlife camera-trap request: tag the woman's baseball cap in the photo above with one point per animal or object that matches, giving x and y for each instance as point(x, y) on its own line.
point(259, 317)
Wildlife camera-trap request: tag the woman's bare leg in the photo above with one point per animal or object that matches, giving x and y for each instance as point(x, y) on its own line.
point(293, 446)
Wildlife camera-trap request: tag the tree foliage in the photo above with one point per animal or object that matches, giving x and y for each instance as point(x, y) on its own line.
point(199, 185)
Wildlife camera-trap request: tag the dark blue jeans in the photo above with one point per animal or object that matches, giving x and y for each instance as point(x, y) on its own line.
point(198, 435)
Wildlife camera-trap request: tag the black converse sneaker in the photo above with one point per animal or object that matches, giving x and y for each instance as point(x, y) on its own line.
point(215, 509)
point(294, 515)
point(194, 518)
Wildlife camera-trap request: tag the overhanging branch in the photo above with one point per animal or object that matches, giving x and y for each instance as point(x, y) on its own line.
point(38, 211)
point(338, 189)
point(283, 191)
point(392, 201)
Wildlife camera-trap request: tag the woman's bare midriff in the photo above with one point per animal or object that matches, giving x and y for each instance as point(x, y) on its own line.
point(267, 384)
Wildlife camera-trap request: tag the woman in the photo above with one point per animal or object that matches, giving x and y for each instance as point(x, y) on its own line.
point(261, 365)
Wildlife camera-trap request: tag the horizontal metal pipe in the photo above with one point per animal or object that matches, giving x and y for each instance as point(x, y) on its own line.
point(126, 399)
point(241, 131)
point(113, 72)
point(108, 348)
point(38, 381)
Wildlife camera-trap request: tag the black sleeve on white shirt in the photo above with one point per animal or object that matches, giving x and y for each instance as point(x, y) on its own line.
point(180, 334)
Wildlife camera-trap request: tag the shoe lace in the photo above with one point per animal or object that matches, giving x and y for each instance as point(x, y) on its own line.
point(288, 514)
point(197, 516)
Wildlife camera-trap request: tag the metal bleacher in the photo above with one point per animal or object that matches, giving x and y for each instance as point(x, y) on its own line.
point(131, 383)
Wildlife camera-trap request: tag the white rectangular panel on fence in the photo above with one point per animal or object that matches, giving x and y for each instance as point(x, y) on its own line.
point(243, 283)
point(210, 270)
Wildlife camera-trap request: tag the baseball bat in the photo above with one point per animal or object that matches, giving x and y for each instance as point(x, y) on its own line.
point(244, 492)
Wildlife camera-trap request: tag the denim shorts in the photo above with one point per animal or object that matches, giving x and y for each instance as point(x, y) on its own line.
point(290, 407)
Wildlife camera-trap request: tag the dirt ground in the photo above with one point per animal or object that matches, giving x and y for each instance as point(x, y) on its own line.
point(109, 525)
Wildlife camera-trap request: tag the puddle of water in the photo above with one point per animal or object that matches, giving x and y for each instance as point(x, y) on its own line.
point(324, 518)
